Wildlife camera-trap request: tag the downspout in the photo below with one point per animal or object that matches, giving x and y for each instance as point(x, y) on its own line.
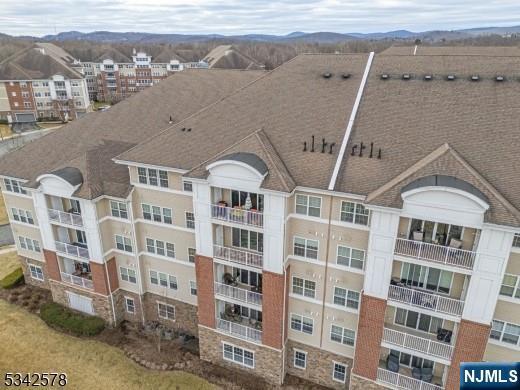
point(284, 291)
point(326, 269)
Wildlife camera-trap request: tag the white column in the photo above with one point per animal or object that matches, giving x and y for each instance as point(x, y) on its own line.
point(40, 206)
point(91, 228)
point(274, 226)
point(384, 224)
point(201, 209)
point(493, 251)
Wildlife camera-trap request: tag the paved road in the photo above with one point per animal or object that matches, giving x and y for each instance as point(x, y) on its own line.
point(6, 235)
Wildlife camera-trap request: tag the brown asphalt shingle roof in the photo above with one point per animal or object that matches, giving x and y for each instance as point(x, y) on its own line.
point(495, 51)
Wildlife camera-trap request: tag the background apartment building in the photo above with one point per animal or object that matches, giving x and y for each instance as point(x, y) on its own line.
point(349, 225)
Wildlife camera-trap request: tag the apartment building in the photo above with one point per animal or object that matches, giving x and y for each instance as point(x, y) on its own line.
point(349, 219)
point(37, 83)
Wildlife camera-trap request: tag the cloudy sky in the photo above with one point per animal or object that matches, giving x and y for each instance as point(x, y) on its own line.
point(40, 17)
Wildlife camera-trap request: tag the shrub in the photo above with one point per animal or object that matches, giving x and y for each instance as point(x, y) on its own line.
point(13, 279)
point(63, 318)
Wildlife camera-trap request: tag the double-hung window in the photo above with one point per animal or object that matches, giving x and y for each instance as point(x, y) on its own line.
point(304, 287)
point(342, 335)
point(305, 248)
point(300, 359)
point(130, 305)
point(190, 220)
point(347, 298)
point(505, 332)
point(123, 243)
point(166, 311)
point(118, 209)
point(308, 205)
point(36, 272)
point(302, 324)
point(339, 372)
point(157, 214)
point(418, 321)
point(516, 240)
point(193, 287)
point(191, 255)
point(433, 279)
point(128, 275)
point(238, 355)
point(14, 186)
point(354, 213)
point(510, 286)
point(187, 186)
point(152, 177)
point(248, 239)
point(350, 257)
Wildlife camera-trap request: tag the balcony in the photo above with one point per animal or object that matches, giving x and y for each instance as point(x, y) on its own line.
point(242, 331)
point(65, 218)
point(238, 294)
point(237, 215)
point(439, 254)
point(72, 249)
point(400, 381)
point(417, 344)
point(238, 256)
point(426, 300)
point(77, 281)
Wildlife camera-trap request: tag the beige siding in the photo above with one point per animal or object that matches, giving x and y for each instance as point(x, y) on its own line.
point(181, 239)
point(497, 353)
point(306, 309)
point(509, 312)
point(338, 318)
point(513, 265)
point(127, 261)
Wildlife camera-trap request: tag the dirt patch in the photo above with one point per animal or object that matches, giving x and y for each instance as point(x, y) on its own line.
point(29, 297)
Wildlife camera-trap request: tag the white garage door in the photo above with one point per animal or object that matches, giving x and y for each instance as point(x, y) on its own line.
point(25, 118)
point(80, 303)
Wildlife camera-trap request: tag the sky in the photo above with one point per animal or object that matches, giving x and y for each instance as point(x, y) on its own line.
point(230, 17)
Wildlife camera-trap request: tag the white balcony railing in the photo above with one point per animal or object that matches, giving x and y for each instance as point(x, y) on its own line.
point(73, 250)
point(426, 300)
point(239, 294)
point(404, 382)
point(243, 217)
point(239, 330)
point(238, 256)
point(419, 344)
point(437, 253)
point(65, 218)
point(77, 281)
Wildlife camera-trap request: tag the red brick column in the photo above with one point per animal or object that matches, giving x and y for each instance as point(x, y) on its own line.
point(272, 309)
point(53, 268)
point(113, 278)
point(99, 278)
point(370, 333)
point(472, 339)
point(205, 292)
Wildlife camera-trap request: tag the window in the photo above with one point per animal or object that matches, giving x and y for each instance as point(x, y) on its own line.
point(166, 311)
point(163, 280)
point(29, 244)
point(130, 305)
point(191, 255)
point(157, 214)
point(152, 177)
point(160, 247)
point(238, 355)
point(339, 372)
point(350, 257)
point(342, 335)
point(302, 324)
point(306, 248)
point(75, 206)
point(187, 186)
point(190, 220)
point(123, 243)
point(118, 209)
point(509, 286)
point(304, 287)
point(14, 186)
point(240, 198)
point(344, 297)
point(419, 321)
point(81, 237)
point(245, 276)
point(193, 287)
point(354, 213)
point(505, 332)
point(247, 239)
point(516, 241)
point(36, 272)
point(172, 282)
point(425, 277)
point(128, 275)
point(300, 359)
point(412, 361)
point(22, 216)
point(308, 205)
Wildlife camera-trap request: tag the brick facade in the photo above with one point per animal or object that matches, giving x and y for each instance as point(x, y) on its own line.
point(185, 314)
point(113, 278)
point(319, 365)
point(99, 278)
point(370, 333)
point(472, 339)
point(53, 269)
point(27, 274)
point(272, 309)
point(205, 290)
point(358, 383)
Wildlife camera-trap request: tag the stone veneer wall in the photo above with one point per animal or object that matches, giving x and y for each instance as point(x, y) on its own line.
point(120, 304)
point(27, 273)
point(319, 365)
point(358, 383)
point(268, 361)
point(186, 318)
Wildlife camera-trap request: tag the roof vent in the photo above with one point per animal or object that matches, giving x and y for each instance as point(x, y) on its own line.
point(384, 76)
point(188, 130)
point(406, 76)
point(345, 75)
point(428, 77)
point(450, 77)
point(499, 78)
point(183, 129)
point(475, 77)
point(327, 75)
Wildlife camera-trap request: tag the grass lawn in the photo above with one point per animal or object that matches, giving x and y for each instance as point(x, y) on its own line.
point(8, 263)
point(28, 345)
point(3, 212)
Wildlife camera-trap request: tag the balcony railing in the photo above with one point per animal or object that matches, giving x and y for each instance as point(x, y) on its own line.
point(426, 300)
point(239, 330)
point(243, 217)
point(437, 253)
point(238, 256)
point(404, 382)
point(77, 281)
point(239, 294)
point(419, 344)
point(73, 250)
point(65, 218)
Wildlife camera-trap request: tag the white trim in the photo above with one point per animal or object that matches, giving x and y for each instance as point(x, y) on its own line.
point(142, 165)
point(505, 298)
point(342, 335)
point(291, 314)
point(166, 258)
point(334, 362)
point(349, 225)
point(233, 360)
point(239, 163)
point(502, 344)
point(346, 269)
point(465, 194)
point(36, 266)
point(308, 196)
point(350, 124)
point(305, 299)
point(115, 219)
point(25, 224)
point(316, 239)
point(161, 189)
point(305, 260)
point(347, 290)
point(349, 310)
point(113, 250)
point(329, 193)
point(306, 218)
point(51, 175)
point(126, 304)
point(165, 225)
point(294, 359)
point(168, 305)
point(13, 178)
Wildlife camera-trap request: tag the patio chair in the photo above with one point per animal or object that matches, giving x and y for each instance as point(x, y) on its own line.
point(427, 374)
point(418, 236)
point(392, 363)
point(456, 244)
